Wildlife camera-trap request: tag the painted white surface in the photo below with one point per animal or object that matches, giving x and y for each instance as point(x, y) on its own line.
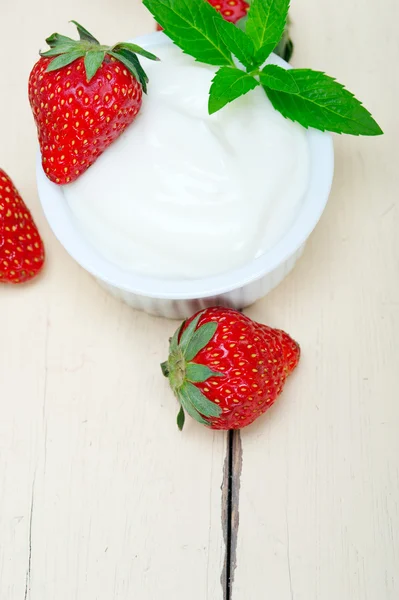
point(319, 516)
point(100, 496)
point(120, 502)
point(319, 509)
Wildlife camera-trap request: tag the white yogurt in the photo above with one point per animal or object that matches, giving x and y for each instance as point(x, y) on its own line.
point(182, 194)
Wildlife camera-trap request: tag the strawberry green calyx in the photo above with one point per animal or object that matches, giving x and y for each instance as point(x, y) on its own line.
point(65, 50)
point(183, 374)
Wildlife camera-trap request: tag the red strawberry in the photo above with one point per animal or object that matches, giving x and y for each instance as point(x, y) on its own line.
point(21, 248)
point(231, 10)
point(83, 96)
point(227, 370)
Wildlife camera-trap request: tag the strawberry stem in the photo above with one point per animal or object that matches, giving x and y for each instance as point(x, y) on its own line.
point(65, 50)
point(84, 34)
point(183, 374)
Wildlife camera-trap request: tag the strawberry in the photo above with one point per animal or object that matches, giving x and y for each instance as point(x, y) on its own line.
point(83, 96)
point(231, 10)
point(21, 248)
point(225, 369)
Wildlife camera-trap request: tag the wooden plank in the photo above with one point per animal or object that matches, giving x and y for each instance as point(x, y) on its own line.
point(319, 516)
point(100, 496)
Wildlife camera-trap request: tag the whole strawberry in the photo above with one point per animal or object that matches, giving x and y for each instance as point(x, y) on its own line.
point(83, 96)
point(21, 248)
point(231, 10)
point(226, 370)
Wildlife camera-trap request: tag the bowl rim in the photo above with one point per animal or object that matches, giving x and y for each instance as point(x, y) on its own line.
point(67, 231)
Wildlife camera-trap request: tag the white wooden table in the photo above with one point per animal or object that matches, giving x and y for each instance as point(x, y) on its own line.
point(101, 498)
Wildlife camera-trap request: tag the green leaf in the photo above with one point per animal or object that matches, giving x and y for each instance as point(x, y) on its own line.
point(238, 42)
point(55, 39)
point(266, 24)
point(175, 339)
point(242, 23)
point(130, 66)
point(276, 78)
point(93, 61)
point(188, 333)
point(127, 62)
point(64, 59)
point(136, 49)
point(84, 34)
point(199, 373)
point(285, 47)
point(131, 62)
point(142, 74)
point(227, 85)
point(191, 25)
point(204, 406)
point(321, 102)
point(189, 408)
point(200, 339)
point(181, 418)
point(60, 49)
point(165, 368)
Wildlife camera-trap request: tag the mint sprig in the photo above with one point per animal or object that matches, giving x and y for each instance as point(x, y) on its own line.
point(191, 25)
point(316, 100)
point(265, 25)
point(237, 42)
point(228, 85)
point(308, 97)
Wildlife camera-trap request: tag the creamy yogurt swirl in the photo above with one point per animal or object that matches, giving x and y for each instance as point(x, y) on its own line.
point(182, 194)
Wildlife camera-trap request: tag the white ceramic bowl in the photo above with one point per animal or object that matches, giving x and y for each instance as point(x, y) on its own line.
point(181, 298)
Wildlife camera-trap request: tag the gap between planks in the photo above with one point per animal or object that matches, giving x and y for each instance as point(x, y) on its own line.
point(230, 509)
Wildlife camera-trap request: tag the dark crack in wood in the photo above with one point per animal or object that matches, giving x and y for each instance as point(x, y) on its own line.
point(29, 567)
point(230, 509)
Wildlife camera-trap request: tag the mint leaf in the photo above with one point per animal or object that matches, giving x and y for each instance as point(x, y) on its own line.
point(238, 42)
point(285, 47)
point(276, 78)
point(191, 26)
point(228, 85)
point(321, 102)
point(266, 25)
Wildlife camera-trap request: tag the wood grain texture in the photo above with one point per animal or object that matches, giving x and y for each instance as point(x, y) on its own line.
point(319, 501)
point(100, 496)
